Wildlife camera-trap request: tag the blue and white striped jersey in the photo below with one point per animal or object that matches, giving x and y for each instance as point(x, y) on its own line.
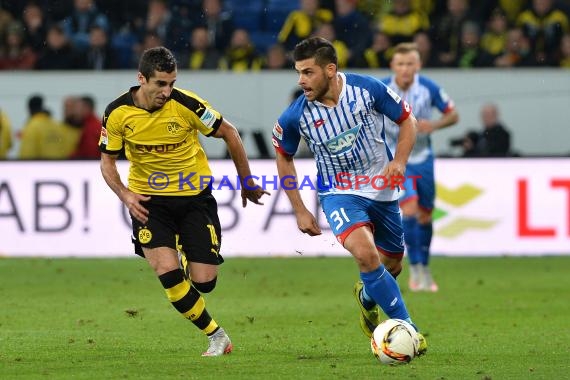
point(348, 139)
point(423, 95)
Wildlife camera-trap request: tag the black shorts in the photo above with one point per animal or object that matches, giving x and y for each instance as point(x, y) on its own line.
point(193, 218)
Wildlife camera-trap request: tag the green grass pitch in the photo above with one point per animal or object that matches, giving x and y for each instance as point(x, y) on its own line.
point(289, 318)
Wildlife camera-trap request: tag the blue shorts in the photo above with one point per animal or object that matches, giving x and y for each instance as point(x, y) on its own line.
point(346, 212)
point(419, 184)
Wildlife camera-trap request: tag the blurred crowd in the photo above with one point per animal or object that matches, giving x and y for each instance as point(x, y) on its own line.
point(245, 35)
point(43, 137)
point(76, 136)
point(259, 34)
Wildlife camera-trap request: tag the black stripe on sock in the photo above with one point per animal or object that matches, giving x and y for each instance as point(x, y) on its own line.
point(215, 331)
point(203, 320)
point(188, 301)
point(172, 278)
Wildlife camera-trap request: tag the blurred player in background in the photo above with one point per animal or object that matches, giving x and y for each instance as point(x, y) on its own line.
point(340, 116)
point(417, 200)
point(90, 129)
point(45, 138)
point(157, 125)
point(5, 135)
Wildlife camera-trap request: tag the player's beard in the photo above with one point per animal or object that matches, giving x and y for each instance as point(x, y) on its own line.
point(320, 91)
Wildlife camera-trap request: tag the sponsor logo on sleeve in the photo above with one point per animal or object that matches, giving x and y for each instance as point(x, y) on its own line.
point(444, 95)
point(104, 137)
point(208, 118)
point(393, 94)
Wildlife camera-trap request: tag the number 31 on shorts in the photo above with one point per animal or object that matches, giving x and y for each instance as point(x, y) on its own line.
point(338, 217)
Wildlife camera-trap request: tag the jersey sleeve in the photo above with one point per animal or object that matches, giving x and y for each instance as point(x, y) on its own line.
point(440, 99)
point(286, 135)
point(387, 102)
point(112, 131)
point(204, 118)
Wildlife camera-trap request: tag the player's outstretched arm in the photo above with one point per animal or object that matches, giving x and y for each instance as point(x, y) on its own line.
point(446, 120)
point(113, 179)
point(249, 189)
point(305, 219)
point(406, 141)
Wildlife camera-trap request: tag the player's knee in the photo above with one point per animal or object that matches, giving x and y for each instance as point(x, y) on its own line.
point(409, 208)
point(366, 262)
point(424, 217)
point(394, 267)
point(205, 287)
point(396, 271)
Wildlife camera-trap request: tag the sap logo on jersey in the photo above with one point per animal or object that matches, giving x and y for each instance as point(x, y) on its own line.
point(343, 142)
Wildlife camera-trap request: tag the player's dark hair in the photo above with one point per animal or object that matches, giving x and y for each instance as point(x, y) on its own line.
point(318, 48)
point(157, 59)
point(35, 104)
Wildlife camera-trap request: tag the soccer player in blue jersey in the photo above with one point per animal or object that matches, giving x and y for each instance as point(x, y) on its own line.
point(341, 118)
point(417, 200)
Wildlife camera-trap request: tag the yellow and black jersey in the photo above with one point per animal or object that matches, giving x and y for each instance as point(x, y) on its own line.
point(299, 25)
point(162, 145)
point(545, 31)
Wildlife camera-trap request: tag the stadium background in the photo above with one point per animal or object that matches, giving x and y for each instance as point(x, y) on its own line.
point(532, 101)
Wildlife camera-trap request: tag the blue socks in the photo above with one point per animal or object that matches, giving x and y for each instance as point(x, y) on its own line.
point(382, 288)
point(418, 240)
point(366, 300)
point(412, 239)
point(425, 232)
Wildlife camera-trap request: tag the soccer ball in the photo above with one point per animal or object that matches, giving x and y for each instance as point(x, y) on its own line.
point(394, 342)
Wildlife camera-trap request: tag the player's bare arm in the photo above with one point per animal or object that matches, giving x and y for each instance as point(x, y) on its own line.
point(249, 189)
point(406, 141)
point(113, 179)
point(446, 120)
point(306, 221)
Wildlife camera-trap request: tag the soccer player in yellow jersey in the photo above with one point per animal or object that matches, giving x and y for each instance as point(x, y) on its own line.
point(157, 125)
